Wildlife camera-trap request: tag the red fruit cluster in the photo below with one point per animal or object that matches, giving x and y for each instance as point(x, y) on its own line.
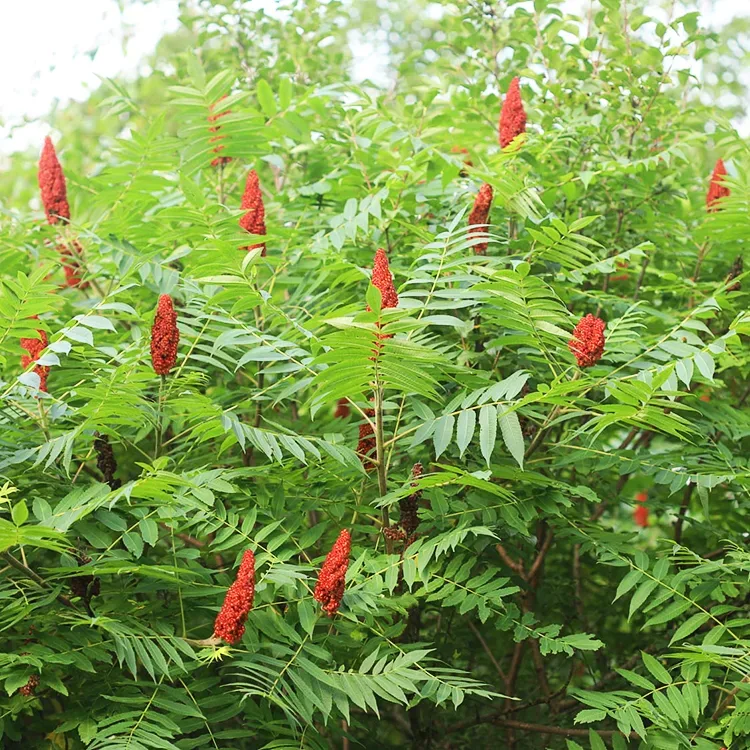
point(587, 343)
point(640, 513)
point(342, 409)
point(35, 347)
point(382, 279)
point(717, 190)
point(330, 587)
point(366, 444)
point(219, 160)
point(480, 214)
point(230, 622)
point(512, 114)
point(254, 219)
point(55, 202)
point(29, 688)
point(52, 185)
point(164, 336)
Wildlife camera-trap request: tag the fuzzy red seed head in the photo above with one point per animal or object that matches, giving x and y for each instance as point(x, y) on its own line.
point(35, 347)
point(330, 587)
point(640, 516)
point(52, 185)
point(254, 219)
point(342, 409)
point(230, 622)
point(717, 190)
point(641, 497)
point(366, 444)
point(164, 336)
point(480, 214)
point(382, 279)
point(587, 343)
point(212, 118)
point(512, 114)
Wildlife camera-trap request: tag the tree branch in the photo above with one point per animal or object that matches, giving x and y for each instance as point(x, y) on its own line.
point(29, 573)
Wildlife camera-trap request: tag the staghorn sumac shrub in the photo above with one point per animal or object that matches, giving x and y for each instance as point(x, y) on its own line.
point(409, 412)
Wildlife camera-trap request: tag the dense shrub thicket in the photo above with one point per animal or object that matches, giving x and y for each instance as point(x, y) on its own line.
point(383, 415)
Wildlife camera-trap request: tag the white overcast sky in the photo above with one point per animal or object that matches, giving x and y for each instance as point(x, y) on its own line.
point(57, 50)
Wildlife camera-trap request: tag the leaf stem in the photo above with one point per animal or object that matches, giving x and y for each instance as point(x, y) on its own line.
point(381, 467)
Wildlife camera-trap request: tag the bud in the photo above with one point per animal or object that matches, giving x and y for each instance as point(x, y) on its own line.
point(640, 512)
point(480, 214)
point(164, 336)
point(716, 189)
point(230, 622)
point(35, 347)
point(52, 185)
point(254, 219)
point(219, 160)
point(367, 442)
point(382, 279)
point(512, 115)
point(330, 587)
point(587, 343)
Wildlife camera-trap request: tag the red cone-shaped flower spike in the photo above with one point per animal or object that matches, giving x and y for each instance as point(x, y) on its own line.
point(716, 190)
point(587, 343)
point(52, 184)
point(230, 622)
point(330, 587)
point(366, 444)
point(640, 512)
point(35, 347)
point(164, 336)
point(254, 219)
point(512, 114)
point(382, 279)
point(480, 214)
point(219, 160)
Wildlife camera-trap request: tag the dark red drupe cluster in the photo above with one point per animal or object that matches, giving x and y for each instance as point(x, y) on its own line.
point(35, 347)
point(640, 512)
point(254, 218)
point(52, 185)
point(716, 189)
point(164, 336)
point(330, 587)
point(230, 622)
point(479, 215)
point(587, 343)
point(512, 114)
point(383, 280)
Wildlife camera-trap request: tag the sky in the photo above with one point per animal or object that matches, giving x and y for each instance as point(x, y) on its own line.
point(58, 50)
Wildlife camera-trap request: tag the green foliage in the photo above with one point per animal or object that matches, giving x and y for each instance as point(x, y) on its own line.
point(530, 609)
